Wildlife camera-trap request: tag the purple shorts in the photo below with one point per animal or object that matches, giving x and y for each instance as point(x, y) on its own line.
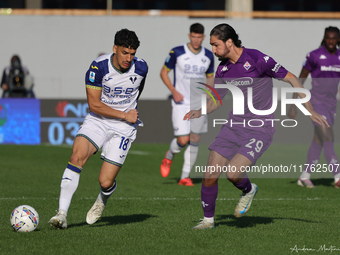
point(326, 113)
point(249, 143)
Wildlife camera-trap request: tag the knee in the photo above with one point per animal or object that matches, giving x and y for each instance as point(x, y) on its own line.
point(77, 160)
point(105, 183)
point(183, 140)
point(234, 180)
point(209, 182)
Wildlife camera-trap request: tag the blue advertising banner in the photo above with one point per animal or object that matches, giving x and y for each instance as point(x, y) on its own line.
point(60, 120)
point(19, 121)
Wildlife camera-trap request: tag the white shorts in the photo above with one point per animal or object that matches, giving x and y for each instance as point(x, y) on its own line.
point(185, 127)
point(115, 146)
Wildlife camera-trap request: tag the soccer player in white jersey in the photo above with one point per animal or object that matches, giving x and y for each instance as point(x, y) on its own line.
point(114, 83)
point(189, 61)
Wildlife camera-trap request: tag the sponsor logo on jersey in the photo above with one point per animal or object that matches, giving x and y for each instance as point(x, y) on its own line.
point(244, 81)
point(247, 66)
point(107, 79)
point(276, 68)
point(323, 57)
point(204, 60)
point(225, 68)
point(266, 58)
point(92, 76)
point(94, 67)
point(330, 68)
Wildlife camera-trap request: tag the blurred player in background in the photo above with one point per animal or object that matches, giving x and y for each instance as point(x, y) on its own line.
point(324, 66)
point(114, 83)
point(189, 61)
point(238, 146)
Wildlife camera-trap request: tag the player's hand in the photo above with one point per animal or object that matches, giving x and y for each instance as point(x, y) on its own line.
point(292, 112)
point(131, 116)
point(318, 119)
point(4, 86)
point(178, 97)
point(193, 114)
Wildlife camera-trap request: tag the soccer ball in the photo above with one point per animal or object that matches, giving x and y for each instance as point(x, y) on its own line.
point(24, 218)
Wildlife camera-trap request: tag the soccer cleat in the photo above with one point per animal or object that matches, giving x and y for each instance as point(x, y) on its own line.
point(165, 167)
point(245, 202)
point(306, 183)
point(337, 184)
point(95, 212)
point(59, 221)
point(204, 224)
point(186, 182)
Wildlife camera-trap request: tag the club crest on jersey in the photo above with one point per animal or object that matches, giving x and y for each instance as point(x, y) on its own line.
point(92, 76)
point(247, 66)
point(133, 79)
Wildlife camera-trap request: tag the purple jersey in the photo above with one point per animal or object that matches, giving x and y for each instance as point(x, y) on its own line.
point(324, 68)
point(255, 70)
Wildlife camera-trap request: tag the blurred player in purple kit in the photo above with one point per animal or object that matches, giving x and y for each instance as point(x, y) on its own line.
point(114, 83)
point(324, 66)
point(240, 145)
point(189, 61)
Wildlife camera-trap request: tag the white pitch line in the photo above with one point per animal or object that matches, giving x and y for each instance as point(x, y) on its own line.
point(139, 152)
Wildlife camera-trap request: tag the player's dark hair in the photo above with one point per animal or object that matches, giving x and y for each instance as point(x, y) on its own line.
point(197, 28)
point(127, 39)
point(331, 29)
point(225, 32)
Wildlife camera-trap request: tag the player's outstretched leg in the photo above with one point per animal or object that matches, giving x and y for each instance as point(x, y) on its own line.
point(245, 202)
point(59, 221)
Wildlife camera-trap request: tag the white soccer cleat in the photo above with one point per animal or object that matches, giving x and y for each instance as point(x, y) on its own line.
point(204, 224)
point(95, 212)
point(306, 183)
point(245, 202)
point(59, 221)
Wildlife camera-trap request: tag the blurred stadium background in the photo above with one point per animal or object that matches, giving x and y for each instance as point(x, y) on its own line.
point(57, 40)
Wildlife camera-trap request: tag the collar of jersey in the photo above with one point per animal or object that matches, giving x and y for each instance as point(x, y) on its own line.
point(111, 61)
point(192, 51)
point(327, 52)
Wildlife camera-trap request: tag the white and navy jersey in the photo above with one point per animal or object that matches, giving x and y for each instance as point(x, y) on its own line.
point(188, 65)
point(120, 91)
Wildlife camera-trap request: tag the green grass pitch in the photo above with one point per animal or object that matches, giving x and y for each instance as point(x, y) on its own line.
point(149, 214)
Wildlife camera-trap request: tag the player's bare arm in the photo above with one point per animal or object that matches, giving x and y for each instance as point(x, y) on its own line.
point(96, 106)
point(193, 114)
point(178, 97)
point(295, 82)
point(292, 112)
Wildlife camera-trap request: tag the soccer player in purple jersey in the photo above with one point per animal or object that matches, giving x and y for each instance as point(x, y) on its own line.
point(238, 146)
point(114, 83)
point(324, 66)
